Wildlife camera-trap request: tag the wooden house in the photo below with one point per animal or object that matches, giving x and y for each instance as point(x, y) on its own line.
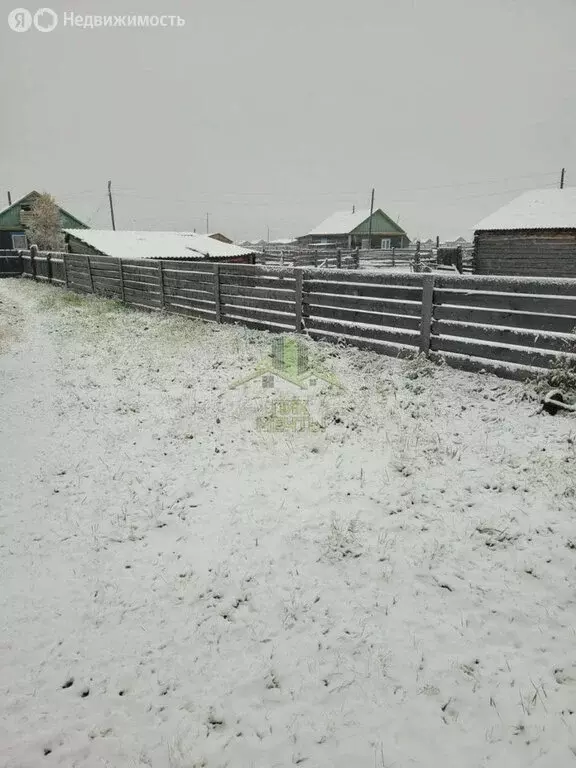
point(357, 229)
point(14, 219)
point(535, 234)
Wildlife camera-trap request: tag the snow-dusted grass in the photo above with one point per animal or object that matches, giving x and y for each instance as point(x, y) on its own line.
point(179, 589)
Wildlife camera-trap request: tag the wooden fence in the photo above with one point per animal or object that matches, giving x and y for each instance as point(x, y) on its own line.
point(506, 325)
point(10, 263)
point(363, 259)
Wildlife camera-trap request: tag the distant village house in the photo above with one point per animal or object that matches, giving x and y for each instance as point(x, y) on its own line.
point(535, 234)
point(15, 218)
point(357, 229)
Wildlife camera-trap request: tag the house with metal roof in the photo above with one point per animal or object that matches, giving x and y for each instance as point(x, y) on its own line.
point(357, 228)
point(184, 246)
point(15, 218)
point(535, 234)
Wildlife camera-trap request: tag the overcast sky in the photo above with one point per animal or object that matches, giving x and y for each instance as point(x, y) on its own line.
point(276, 114)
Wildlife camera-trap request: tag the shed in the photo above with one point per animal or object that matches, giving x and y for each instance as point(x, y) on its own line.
point(535, 234)
point(349, 229)
point(14, 219)
point(184, 246)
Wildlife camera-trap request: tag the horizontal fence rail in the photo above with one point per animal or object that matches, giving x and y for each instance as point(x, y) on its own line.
point(510, 326)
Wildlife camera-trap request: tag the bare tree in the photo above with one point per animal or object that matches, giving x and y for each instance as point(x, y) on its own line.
point(44, 227)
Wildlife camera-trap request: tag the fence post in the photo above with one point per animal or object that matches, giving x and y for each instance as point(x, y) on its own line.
point(356, 257)
point(33, 254)
point(298, 277)
point(161, 284)
point(65, 267)
point(338, 259)
point(427, 317)
point(90, 274)
point(394, 257)
point(121, 272)
point(417, 264)
point(49, 267)
point(217, 302)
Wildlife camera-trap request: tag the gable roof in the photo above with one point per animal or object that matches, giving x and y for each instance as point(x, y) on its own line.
point(156, 245)
point(33, 194)
point(346, 222)
point(537, 209)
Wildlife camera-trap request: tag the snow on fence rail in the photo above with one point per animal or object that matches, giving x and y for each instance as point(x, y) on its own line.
point(504, 324)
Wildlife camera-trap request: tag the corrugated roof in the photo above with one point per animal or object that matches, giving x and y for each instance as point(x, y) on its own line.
point(156, 245)
point(340, 223)
point(537, 209)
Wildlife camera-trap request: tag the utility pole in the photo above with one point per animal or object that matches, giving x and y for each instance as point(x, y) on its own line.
point(111, 205)
point(562, 178)
point(207, 223)
point(9, 199)
point(370, 222)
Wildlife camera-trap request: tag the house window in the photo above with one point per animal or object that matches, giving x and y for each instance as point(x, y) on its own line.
point(386, 244)
point(19, 242)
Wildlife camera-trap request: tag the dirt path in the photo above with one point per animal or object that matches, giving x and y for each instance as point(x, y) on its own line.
point(180, 589)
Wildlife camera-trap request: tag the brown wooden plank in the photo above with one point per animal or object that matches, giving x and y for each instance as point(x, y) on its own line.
point(474, 364)
point(256, 270)
point(279, 294)
point(257, 281)
point(183, 301)
point(196, 312)
point(185, 282)
point(141, 285)
point(369, 290)
point(278, 318)
point(369, 318)
point(188, 267)
point(259, 325)
point(558, 323)
point(411, 308)
point(107, 262)
point(185, 293)
point(140, 297)
point(363, 277)
point(493, 352)
point(542, 286)
point(539, 304)
point(385, 348)
point(536, 338)
point(375, 333)
point(272, 304)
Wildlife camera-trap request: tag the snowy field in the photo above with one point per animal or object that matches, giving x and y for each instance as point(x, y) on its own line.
point(182, 589)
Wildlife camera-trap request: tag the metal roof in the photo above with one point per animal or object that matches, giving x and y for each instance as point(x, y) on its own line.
point(156, 245)
point(341, 223)
point(537, 209)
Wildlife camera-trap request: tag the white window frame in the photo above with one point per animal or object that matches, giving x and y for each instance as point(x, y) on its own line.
point(21, 238)
point(386, 244)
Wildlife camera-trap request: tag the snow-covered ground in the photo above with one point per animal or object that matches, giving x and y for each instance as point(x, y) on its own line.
point(179, 588)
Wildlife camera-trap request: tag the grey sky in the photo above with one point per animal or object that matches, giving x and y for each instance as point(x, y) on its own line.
point(277, 114)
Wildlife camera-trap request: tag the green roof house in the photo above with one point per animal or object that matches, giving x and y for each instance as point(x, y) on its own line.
point(348, 230)
point(13, 221)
